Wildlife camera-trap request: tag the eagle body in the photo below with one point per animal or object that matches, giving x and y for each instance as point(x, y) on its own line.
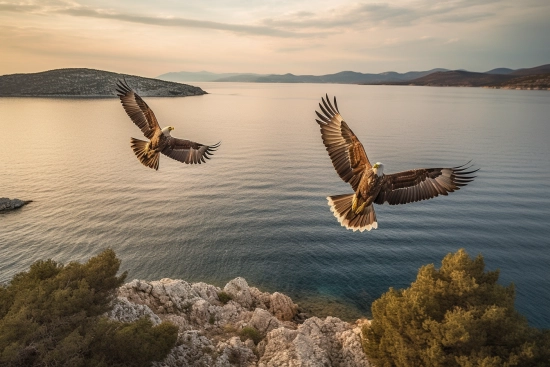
point(369, 183)
point(160, 140)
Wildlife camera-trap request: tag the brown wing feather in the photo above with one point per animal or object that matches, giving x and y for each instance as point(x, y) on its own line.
point(137, 109)
point(345, 150)
point(188, 151)
point(422, 184)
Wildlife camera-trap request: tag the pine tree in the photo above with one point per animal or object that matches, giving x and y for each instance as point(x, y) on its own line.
point(455, 316)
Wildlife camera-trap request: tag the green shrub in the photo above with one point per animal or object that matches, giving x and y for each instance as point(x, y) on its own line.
point(455, 316)
point(52, 315)
point(249, 332)
point(224, 297)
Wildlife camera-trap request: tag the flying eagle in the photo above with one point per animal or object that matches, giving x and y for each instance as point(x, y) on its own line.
point(160, 140)
point(370, 184)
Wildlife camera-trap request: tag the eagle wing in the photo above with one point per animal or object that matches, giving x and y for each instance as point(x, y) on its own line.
point(345, 150)
point(137, 109)
point(188, 151)
point(422, 184)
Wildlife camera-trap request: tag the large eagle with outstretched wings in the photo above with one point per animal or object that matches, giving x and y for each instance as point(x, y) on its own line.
point(160, 140)
point(370, 184)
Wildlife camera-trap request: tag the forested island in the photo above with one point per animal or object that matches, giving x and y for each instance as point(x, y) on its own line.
point(80, 82)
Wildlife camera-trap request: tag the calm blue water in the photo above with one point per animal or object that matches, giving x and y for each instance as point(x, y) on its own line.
point(258, 208)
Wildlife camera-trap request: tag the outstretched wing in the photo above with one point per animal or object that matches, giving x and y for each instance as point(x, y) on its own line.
point(345, 150)
point(188, 151)
point(137, 109)
point(422, 184)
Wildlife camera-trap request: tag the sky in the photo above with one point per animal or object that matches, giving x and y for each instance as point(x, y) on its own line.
point(149, 38)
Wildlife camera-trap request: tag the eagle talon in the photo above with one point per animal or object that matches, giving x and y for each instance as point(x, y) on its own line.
point(360, 209)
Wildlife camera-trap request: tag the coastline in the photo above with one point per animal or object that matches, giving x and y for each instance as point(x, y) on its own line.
point(239, 324)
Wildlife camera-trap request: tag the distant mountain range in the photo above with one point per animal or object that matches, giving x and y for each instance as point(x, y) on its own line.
point(530, 78)
point(98, 83)
point(344, 77)
point(87, 83)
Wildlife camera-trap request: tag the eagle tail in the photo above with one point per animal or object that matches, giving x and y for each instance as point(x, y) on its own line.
point(146, 156)
point(340, 206)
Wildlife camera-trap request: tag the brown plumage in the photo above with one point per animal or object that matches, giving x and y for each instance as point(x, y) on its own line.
point(160, 140)
point(369, 183)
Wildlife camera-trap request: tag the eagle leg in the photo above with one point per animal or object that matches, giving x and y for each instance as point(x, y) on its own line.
point(354, 203)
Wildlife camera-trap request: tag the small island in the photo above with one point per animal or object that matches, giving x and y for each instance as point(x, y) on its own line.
point(90, 83)
point(11, 204)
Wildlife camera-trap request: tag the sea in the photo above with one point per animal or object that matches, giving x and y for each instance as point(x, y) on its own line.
point(258, 208)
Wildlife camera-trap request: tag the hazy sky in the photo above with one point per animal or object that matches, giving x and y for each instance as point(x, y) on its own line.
point(149, 38)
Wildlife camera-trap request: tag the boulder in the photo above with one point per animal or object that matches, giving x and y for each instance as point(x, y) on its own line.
point(263, 321)
point(10, 204)
point(282, 307)
point(126, 311)
point(240, 292)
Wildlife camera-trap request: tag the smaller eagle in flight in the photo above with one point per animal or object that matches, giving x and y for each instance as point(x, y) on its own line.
point(160, 140)
point(370, 184)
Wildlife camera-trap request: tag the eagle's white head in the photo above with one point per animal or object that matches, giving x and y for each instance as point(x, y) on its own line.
point(167, 129)
point(378, 169)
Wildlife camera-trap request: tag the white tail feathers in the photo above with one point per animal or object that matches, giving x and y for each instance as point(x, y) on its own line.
point(340, 206)
point(146, 156)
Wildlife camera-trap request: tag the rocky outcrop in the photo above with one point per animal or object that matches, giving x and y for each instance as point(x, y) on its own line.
point(239, 325)
point(10, 204)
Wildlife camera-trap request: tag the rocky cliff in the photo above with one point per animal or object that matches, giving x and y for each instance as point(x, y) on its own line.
point(239, 326)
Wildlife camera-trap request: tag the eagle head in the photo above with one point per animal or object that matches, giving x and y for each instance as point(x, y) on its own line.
point(167, 129)
point(378, 169)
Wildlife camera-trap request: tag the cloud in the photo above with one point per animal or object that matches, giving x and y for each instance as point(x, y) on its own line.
point(364, 15)
point(60, 7)
point(179, 22)
point(18, 8)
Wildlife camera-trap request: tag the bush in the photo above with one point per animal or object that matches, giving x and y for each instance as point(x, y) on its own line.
point(52, 315)
point(224, 297)
point(455, 316)
point(249, 332)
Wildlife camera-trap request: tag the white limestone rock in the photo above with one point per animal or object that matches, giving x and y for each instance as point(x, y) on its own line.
point(209, 330)
point(263, 321)
point(260, 299)
point(195, 350)
point(240, 292)
point(282, 307)
point(329, 342)
point(126, 311)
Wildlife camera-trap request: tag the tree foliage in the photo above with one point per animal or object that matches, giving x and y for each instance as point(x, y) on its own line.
point(455, 316)
point(51, 315)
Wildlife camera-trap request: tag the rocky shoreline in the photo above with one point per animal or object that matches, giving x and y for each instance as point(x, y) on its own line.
point(11, 204)
point(239, 325)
